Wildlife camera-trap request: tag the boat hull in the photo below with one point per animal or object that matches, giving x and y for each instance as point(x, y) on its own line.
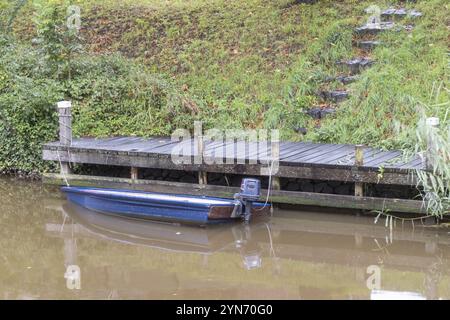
point(157, 206)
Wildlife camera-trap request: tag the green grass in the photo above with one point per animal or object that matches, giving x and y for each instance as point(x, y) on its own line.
point(258, 63)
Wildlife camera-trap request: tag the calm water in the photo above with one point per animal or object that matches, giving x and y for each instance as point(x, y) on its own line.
point(299, 255)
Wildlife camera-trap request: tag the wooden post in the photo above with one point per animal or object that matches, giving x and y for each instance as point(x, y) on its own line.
point(134, 173)
point(276, 185)
point(65, 130)
point(202, 177)
point(432, 124)
point(198, 139)
point(359, 161)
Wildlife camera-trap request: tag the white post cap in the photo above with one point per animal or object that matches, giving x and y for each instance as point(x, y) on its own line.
point(64, 104)
point(432, 121)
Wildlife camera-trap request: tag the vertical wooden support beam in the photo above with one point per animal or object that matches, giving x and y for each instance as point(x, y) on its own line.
point(65, 130)
point(359, 161)
point(275, 146)
point(134, 173)
point(432, 125)
point(276, 185)
point(198, 139)
point(202, 178)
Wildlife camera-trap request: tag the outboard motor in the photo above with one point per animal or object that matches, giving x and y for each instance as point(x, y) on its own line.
point(250, 192)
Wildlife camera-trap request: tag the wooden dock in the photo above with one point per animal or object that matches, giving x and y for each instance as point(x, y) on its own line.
point(296, 160)
point(301, 160)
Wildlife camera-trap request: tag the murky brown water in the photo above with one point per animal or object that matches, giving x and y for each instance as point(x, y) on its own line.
point(296, 255)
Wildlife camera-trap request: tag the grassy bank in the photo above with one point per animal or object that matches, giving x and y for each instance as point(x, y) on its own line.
point(147, 67)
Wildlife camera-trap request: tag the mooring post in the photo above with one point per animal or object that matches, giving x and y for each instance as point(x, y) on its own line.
point(359, 161)
point(65, 130)
point(134, 173)
point(432, 125)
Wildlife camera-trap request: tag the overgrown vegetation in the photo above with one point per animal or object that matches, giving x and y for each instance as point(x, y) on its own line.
point(147, 67)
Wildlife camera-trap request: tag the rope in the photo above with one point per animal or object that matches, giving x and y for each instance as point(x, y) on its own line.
point(270, 185)
point(64, 222)
point(272, 250)
point(62, 171)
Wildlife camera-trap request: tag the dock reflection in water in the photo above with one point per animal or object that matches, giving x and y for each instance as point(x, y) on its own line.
point(298, 255)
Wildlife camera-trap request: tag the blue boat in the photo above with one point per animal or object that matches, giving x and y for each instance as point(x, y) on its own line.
point(171, 208)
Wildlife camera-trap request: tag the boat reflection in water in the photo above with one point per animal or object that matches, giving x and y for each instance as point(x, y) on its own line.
point(291, 255)
point(168, 236)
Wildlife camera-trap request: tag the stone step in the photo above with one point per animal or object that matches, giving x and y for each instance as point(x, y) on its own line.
point(343, 79)
point(347, 79)
point(301, 130)
point(401, 13)
point(335, 96)
point(356, 65)
point(373, 29)
point(320, 112)
point(408, 27)
point(367, 44)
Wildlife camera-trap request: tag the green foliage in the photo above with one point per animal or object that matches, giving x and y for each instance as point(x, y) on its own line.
point(116, 97)
point(57, 43)
point(436, 141)
point(111, 95)
point(26, 116)
point(9, 9)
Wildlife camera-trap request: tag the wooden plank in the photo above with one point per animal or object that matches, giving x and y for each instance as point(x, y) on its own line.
point(110, 145)
point(165, 148)
point(369, 154)
point(383, 158)
point(321, 150)
point(416, 163)
point(331, 156)
point(296, 151)
point(317, 149)
point(159, 161)
point(277, 196)
point(126, 144)
point(302, 151)
point(128, 147)
point(151, 146)
point(350, 159)
point(285, 146)
point(86, 141)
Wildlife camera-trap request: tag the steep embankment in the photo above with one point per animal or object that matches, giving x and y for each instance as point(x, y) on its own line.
point(256, 63)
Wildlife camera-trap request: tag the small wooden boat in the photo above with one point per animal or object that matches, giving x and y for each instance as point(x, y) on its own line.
point(171, 208)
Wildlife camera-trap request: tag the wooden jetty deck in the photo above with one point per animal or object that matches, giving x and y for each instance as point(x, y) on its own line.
point(302, 160)
point(344, 163)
